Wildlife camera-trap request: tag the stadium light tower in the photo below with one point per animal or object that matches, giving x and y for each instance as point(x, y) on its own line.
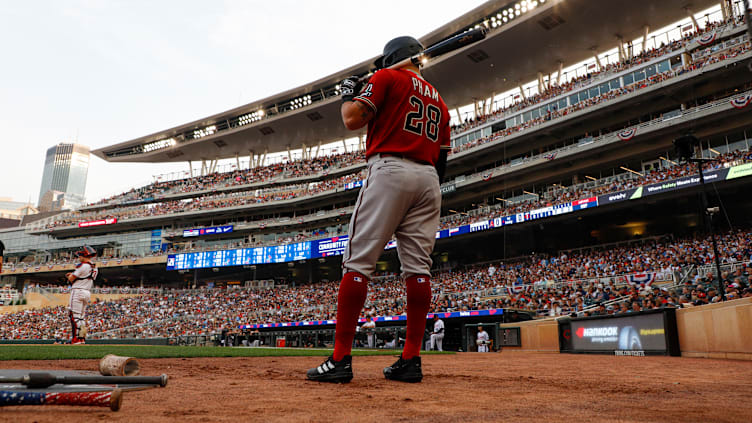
point(685, 149)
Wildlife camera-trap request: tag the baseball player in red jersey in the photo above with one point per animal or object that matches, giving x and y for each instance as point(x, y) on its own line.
point(406, 150)
point(83, 280)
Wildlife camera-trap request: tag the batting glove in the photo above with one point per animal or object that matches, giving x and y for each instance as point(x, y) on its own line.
point(350, 87)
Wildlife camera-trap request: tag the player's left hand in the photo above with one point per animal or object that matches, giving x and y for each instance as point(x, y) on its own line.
point(350, 87)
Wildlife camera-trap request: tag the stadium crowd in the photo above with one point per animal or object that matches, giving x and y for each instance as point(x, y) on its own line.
point(212, 201)
point(614, 93)
point(555, 195)
point(568, 282)
point(595, 77)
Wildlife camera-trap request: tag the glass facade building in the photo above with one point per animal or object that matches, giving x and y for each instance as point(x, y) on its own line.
point(66, 167)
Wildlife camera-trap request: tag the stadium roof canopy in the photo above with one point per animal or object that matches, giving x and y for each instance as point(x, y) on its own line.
point(556, 31)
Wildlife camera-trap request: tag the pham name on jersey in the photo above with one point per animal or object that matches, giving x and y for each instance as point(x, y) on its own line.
point(425, 90)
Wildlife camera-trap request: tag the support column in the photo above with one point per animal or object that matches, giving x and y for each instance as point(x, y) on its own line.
point(237, 161)
point(522, 92)
point(318, 147)
point(289, 155)
point(692, 16)
point(686, 59)
point(598, 62)
point(203, 167)
point(622, 53)
point(251, 158)
point(190, 168)
point(490, 103)
point(459, 116)
point(558, 75)
point(362, 142)
point(303, 152)
point(541, 85)
point(344, 145)
point(645, 32)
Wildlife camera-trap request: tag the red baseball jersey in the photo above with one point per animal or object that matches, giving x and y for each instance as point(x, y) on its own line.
point(410, 118)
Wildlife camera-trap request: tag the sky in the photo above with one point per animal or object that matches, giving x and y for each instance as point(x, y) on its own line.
point(100, 72)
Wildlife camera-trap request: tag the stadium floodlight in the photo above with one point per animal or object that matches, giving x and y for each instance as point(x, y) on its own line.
point(506, 20)
point(158, 145)
point(516, 13)
point(667, 160)
point(504, 12)
point(517, 6)
point(261, 112)
point(630, 170)
point(498, 15)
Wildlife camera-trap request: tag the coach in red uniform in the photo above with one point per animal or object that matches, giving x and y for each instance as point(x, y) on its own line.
point(407, 147)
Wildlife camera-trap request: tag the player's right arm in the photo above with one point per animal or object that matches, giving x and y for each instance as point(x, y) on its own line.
point(355, 114)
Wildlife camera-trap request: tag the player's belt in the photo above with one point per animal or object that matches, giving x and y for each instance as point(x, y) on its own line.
point(402, 156)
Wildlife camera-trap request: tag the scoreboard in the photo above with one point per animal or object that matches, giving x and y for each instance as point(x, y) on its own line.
point(241, 257)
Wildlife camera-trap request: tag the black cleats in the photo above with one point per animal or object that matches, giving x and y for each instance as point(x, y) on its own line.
point(332, 371)
point(405, 370)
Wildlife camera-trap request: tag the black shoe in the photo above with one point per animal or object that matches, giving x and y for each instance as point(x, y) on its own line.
point(332, 371)
point(405, 370)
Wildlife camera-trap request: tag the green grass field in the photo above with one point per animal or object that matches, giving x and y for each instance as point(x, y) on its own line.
point(73, 352)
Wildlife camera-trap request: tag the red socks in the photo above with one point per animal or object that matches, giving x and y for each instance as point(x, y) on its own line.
point(350, 301)
point(418, 304)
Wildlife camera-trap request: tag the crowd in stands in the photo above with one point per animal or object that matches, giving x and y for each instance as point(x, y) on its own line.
point(212, 201)
point(592, 78)
point(287, 169)
point(550, 285)
point(606, 185)
point(556, 196)
point(617, 92)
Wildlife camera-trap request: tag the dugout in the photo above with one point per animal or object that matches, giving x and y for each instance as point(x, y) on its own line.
point(391, 334)
point(470, 335)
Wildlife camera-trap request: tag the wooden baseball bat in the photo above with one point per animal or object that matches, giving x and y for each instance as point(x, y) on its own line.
point(112, 399)
point(450, 44)
point(44, 380)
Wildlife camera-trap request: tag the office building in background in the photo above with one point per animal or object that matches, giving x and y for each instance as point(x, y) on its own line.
point(66, 167)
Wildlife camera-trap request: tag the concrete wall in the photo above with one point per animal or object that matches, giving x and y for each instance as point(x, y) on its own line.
point(536, 336)
point(717, 330)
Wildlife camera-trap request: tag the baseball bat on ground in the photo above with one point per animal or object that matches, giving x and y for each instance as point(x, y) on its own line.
point(112, 399)
point(44, 380)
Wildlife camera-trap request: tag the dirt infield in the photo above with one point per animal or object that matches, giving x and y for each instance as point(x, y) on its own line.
point(456, 388)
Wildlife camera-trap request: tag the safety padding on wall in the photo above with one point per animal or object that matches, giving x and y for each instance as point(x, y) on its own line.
point(536, 336)
point(717, 330)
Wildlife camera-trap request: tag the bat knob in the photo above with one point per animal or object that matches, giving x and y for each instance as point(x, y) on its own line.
point(39, 380)
point(163, 380)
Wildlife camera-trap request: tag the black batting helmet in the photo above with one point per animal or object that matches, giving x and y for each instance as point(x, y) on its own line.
point(398, 49)
point(86, 251)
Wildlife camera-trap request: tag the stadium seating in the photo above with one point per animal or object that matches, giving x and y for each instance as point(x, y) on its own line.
point(569, 282)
